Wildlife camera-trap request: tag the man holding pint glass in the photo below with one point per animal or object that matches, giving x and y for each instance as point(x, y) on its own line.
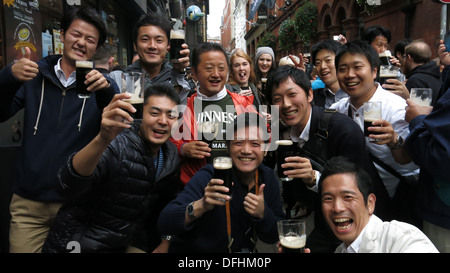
point(56, 121)
point(205, 218)
point(289, 89)
point(357, 65)
point(152, 43)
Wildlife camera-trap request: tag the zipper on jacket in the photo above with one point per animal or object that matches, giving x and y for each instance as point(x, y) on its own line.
point(61, 107)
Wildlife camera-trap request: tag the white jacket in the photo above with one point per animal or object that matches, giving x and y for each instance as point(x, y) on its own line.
point(392, 237)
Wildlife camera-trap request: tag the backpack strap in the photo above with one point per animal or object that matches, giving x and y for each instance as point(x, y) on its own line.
point(323, 123)
point(316, 147)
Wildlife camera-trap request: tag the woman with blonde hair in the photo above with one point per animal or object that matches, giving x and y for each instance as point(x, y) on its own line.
point(242, 76)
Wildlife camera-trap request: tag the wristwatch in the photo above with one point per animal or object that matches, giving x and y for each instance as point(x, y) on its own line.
point(399, 142)
point(190, 210)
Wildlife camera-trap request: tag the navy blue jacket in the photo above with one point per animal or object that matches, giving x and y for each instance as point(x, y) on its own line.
point(209, 232)
point(51, 125)
point(429, 145)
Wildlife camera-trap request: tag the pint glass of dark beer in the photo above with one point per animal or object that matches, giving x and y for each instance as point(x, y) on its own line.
point(285, 149)
point(385, 57)
point(82, 69)
point(292, 235)
point(388, 72)
point(372, 112)
point(177, 38)
point(133, 83)
point(222, 170)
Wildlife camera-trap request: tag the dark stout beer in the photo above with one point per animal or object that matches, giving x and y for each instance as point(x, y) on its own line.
point(285, 149)
point(222, 170)
point(176, 40)
point(82, 69)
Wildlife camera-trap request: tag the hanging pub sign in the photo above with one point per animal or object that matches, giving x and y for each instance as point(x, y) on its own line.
point(24, 29)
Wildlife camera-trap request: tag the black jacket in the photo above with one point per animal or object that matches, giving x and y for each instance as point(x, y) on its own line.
point(427, 76)
point(119, 204)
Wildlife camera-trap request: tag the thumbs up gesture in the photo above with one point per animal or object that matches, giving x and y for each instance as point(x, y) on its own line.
point(25, 69)
point(254, 203)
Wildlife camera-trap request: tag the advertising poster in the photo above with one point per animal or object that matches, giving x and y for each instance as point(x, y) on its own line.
point(47, 44)
point(57, 42)
point(24, 29)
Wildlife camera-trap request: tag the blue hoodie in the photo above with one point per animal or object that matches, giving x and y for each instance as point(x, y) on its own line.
point(56, 124)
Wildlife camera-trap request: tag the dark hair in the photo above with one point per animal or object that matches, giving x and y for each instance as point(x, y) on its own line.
point(162, 90)
point(298, 76)
point(400, 46)
point(248, 119)
point(330, 45)
point(152, 19)
point(341, 165)
point(103, 53)
point(207, 47)
point(88, 15)
point(361, 48)
point(372, 32)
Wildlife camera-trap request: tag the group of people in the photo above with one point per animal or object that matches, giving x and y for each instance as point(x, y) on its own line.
point(89, 175)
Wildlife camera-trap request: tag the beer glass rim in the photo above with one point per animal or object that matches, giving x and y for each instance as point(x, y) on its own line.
point(291, 221)
point(133, 73)
point(222, 158)
point(422, 88)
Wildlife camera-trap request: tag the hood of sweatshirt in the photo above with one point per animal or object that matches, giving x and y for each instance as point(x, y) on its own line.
point(430, 68)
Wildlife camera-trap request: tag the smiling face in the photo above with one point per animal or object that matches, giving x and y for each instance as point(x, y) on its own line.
point(158, 118)
point(152, 45)
point(344, 208)
point(356, 77)
point(326, 69)
point(80, 41)
point(294, 104)
point(211, 72)
point(265, 63)
point(247, 150)
point(241, 70)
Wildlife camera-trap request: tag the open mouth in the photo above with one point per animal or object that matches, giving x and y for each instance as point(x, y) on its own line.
point(290, 113)
point(343, 224)
point(79, 51)
point(246, 159)
point(215, 82)
point(324, 74)
point(352, 84)
point(242, 75)
point(159, 133)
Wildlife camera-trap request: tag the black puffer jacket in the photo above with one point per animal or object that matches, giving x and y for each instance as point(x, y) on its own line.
point(119, 204)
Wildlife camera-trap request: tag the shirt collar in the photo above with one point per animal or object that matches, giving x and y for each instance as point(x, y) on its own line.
point(354, 247)
point(215, 97)
point(304, 135)
point(62, 76)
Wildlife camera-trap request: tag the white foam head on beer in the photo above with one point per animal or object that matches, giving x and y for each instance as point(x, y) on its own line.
point(223, 163)
point(372, 115)
point(386, 53)
point(285, 142)
point(84, 64)
point(177, 34)
point(293, 242)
